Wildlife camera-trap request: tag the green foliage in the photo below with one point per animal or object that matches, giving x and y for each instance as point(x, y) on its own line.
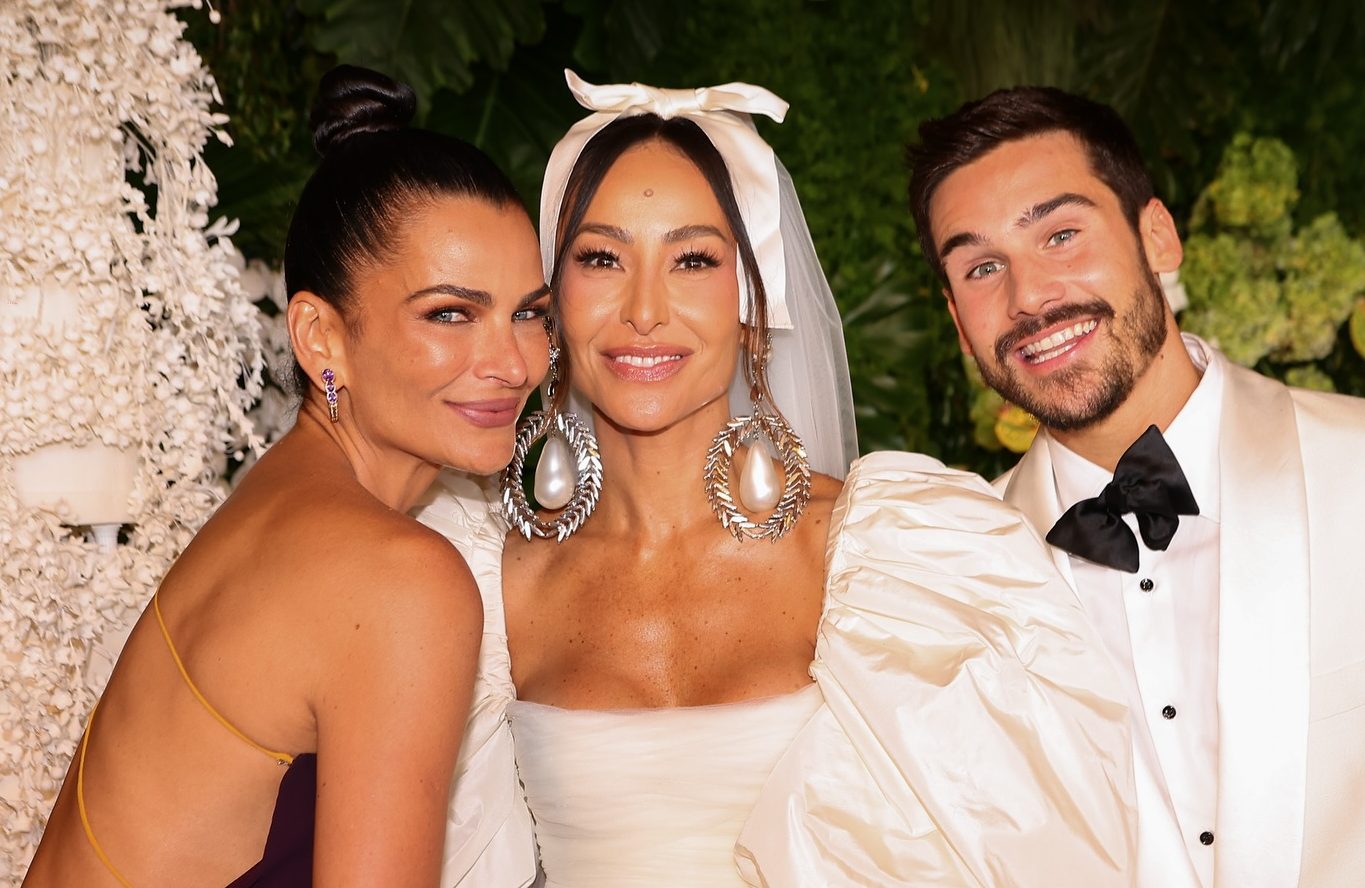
point(1324, 272)
point(1234, 296)
point(1256, 188)
point(428, 44)
point(268, 57)
point(1309, 376)
point(1259, 289)
point(266, 72)
point(859, 85)
point(1000, 44)
point(1186, 77)
point(985, 411)
point(621, 38)
point(1270, 272)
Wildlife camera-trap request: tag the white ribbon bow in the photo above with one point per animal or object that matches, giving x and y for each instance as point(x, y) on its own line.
point(723, 113)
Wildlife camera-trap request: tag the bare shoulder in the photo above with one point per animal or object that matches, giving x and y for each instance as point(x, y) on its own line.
point(824, 493)
point(384, 576)
point(825, 489)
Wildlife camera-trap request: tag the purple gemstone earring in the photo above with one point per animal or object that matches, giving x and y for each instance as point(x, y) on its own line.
point(330, 390)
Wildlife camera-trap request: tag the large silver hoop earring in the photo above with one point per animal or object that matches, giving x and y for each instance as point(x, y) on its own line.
point(568, 474)
point(758, 483)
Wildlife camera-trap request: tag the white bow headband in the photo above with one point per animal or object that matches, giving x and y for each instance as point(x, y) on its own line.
point(723, 113)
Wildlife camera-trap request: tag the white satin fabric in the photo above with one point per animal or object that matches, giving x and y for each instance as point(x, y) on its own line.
point(970, 730)
point(974, 732)
point(649, 796)
point(490, 839)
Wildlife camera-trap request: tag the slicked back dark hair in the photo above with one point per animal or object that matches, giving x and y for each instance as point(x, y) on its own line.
point(596, 160)
point(1008, 115)
point(374, 171)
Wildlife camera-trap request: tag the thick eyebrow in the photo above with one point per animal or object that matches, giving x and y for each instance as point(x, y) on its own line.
point(687, 232)
point(478, 297)
point(1039, 211)
point(1028, 217)
point(961, 239)
point(614, 232)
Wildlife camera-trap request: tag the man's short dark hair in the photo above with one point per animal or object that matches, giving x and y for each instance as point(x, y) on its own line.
point(1008, 115)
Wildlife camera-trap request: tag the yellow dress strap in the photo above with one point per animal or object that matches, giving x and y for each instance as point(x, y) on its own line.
point(80, 803)
point(282, 758)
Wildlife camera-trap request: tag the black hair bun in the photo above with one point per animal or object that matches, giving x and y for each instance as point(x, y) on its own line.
point(353, 100)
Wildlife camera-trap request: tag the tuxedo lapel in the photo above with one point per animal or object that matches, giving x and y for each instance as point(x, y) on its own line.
point(1032, 489)
point(1263, 646)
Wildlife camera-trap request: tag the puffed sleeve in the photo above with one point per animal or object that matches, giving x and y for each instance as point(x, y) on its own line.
point(490, 839)
point(973, 731)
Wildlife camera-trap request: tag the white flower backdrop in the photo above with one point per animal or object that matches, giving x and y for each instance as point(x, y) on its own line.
point(128, 346)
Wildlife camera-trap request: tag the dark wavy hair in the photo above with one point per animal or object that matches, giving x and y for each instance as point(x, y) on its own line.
point(1008, 115)
point(375, 170)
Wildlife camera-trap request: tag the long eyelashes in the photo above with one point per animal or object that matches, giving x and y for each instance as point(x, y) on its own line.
point(596, 257)
point(454, 315)
point(599, 257)
point(532, 312)
point(698, 259)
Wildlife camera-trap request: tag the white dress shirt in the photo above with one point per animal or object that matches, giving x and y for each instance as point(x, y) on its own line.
point(1160, 625)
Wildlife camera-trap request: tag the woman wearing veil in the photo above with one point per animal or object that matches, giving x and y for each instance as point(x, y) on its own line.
point(723, 657)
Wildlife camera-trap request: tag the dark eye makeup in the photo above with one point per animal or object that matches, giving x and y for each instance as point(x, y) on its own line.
point(697, 259)
point(596, 257)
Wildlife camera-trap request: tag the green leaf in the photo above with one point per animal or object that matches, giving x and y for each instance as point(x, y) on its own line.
point(990, 44)
point(516, 117)
point(621, 37)
point(260, 194)
point(429, 44)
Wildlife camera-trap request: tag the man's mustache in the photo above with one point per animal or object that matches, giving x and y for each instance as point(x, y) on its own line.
point(1032, 326)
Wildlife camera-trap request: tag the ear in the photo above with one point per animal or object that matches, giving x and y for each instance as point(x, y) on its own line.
point(317, 334)
point(1160, 240)
point(957, 322)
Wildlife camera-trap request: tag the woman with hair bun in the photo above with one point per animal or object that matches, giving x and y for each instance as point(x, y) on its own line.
point(290, 707)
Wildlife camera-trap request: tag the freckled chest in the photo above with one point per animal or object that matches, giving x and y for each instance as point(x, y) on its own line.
point(675, 627)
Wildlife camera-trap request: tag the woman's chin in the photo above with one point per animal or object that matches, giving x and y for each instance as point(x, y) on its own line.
point(649, 416)
point(482, 461)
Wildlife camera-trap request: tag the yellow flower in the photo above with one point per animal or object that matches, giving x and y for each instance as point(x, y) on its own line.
point(1015, 427)
point(1358, 326)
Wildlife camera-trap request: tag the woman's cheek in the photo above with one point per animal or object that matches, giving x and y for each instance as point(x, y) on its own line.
point(535, 350)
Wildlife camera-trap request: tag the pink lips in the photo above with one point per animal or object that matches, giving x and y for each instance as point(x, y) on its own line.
point(1056, 345)
point(489, 414)
point(645, 363)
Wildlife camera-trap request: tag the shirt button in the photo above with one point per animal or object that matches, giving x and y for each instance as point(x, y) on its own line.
point(1206, 838)
point(1146, 585)
point(1168, 712)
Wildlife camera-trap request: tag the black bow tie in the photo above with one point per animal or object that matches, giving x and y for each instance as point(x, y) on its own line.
point(1147, 482)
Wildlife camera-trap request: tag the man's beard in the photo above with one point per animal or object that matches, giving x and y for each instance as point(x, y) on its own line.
point(1089, 395)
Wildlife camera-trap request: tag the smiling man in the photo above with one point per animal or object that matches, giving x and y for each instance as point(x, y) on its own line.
point(1211, 519)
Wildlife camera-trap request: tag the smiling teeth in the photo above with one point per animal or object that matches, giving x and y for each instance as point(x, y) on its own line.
point(1043, 347)
point(646, 360)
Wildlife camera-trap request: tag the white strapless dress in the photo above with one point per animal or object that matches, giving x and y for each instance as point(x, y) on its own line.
point(965, 728)
point(649, 796)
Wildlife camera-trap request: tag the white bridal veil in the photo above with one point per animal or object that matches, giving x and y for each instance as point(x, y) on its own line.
point(808, 369)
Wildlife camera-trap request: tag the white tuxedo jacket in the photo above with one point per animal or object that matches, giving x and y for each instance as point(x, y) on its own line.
point(1291, 646)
